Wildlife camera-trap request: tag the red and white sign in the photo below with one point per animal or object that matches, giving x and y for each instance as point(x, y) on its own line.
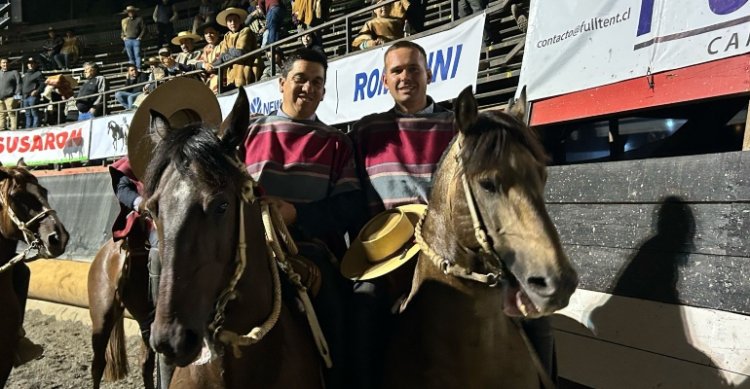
point(46, 145)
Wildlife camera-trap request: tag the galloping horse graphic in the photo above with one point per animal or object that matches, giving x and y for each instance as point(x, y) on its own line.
point(118, 133)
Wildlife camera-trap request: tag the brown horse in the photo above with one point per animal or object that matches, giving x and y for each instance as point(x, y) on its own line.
point(489, 251)
point(198, 192)
point(118, 279)
point(25, 215)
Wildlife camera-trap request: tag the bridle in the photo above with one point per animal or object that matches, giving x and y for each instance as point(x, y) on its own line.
point(33, 241)
point(499, 274)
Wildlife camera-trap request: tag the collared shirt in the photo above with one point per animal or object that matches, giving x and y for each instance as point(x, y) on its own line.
point(283, 114)
point(132, 28)
point(430, 108)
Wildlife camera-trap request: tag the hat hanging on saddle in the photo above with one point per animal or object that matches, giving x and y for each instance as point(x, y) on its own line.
point(221, 18)
point(385, 243)
point(185, 35)
point(183, 101)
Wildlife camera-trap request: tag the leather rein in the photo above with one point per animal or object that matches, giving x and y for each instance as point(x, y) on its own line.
point(33, 242)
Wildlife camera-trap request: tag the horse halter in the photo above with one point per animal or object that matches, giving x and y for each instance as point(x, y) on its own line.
point(491, 279)
point(33, 242)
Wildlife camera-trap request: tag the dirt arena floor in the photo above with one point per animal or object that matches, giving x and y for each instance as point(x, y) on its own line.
point(66, 362)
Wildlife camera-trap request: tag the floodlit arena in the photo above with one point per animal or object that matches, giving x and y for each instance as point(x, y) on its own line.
point(375, 194)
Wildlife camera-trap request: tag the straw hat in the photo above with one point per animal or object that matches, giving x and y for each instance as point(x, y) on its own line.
point(130, 8)
point(212, 24)
point(385, 243)
point(221, 18)
point(153, 61)
point(181, 100)
point(183, 35)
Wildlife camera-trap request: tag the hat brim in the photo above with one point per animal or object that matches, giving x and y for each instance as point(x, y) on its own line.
point(181, 100)
point(176, 40)
point(212, 24)
point(355, 265)
point(130, 10)
point(221, 18)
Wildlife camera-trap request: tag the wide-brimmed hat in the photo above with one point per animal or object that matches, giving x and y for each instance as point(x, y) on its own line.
point(182, 101)
point(185, 35)
point(221, 18)
point(153, 61)
point(130, 8)
point(385, 243)
point(218, 27)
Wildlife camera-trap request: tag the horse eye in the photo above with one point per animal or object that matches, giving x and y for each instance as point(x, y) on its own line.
point(222, 208)
point(488, 185)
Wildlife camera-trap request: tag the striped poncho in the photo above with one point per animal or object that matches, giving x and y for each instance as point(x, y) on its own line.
point(311, 165)
point(398, 154)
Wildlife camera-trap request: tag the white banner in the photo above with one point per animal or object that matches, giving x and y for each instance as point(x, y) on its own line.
point(46, 145)
point(573, 45)
point(109, 136)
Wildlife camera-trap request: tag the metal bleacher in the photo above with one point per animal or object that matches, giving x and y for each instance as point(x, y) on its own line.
point(497, 77)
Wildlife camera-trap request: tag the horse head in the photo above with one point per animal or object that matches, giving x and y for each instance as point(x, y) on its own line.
point(26, 214)
point(193, 186)
point(497, 186)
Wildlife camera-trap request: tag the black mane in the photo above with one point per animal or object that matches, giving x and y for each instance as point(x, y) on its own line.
point(486, 142)
point(183, 147)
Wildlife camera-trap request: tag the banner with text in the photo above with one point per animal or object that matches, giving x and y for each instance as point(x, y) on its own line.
point(46, 145)
point(109, 136)
point(573, 45)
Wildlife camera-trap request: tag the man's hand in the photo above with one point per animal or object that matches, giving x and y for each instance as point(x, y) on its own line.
point(287, 209)
point(34, 93)
point(92, 111)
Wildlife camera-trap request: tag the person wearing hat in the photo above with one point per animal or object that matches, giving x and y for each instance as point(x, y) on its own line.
point(165, 14)
point(236, 43)
point(10, 92)
point(308, 167)
point(69, 52)
point(186, 41)
point(50, 48)
point(211, 32)
point(171, 66)
point(156, 73)
point(132, 29)
point(32, 86)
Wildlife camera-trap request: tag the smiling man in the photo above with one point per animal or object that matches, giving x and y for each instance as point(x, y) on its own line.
point(307, 168)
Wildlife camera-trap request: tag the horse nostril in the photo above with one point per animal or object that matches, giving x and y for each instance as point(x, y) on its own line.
point(541, 286)
point(53, 239)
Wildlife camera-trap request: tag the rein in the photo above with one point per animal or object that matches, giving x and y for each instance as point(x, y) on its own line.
point(32, 242)
point(274, 227)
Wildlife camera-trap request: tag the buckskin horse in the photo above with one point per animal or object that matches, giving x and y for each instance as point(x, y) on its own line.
point(489, 251)
point(25, 215)
point(218, 278)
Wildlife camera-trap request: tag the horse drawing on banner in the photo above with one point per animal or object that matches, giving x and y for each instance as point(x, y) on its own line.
point(25, 215)
point(119, 134)
point(73, 147)
point(213, 246)
point(490, 254)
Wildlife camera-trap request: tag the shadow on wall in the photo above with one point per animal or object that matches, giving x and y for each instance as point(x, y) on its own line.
point(651, 341)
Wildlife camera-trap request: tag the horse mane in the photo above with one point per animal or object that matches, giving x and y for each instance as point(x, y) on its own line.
point(488, 140)
point(193, 144)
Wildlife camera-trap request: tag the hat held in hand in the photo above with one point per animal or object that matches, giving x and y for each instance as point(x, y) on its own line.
point(385, 243)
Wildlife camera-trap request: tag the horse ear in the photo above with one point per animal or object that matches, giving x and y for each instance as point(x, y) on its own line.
point(517, 107)
point(466, 110)
point(21, 163)
point(159, 126)
point(234, 127)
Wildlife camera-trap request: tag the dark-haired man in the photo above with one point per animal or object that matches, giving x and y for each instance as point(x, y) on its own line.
point(308, 169)
point(127, 97)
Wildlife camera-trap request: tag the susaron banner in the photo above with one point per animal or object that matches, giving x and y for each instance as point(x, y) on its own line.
point(574, 45)
point(46, 145)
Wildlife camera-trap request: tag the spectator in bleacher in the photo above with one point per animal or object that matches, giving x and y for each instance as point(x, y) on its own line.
point(212, 35)
point(171, 67)
point(206, 13)
point(157, 73)
point(91, 98)
point(381, 29)
point(126, 97)
point(237, 42)
point(257, 24)
point(32, 86)
point(413, 11)
point(469, 7)
point(186, 41)
point(273, 11)
point(278, 60)
point(313, 41)
point(132, 30)
point(165, 14)
point(10, 93)
point(310, 13)
point(69, 52)
point(51, 47)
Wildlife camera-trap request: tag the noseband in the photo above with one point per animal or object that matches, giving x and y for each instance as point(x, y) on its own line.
point(33, 242)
